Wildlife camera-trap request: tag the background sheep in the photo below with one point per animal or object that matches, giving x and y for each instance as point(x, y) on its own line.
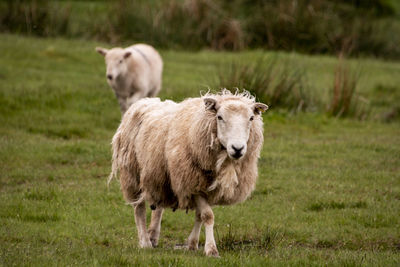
point(192, 155)
point(134, 72)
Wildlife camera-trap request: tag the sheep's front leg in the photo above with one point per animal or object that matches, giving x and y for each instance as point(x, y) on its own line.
point(122, 105)
point(207, 217)
point(155, 226)
point(134, 98)
point(193, 240)
point(140, 219)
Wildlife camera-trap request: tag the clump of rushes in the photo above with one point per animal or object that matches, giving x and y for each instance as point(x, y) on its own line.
point(277, 87)
point(344, 100)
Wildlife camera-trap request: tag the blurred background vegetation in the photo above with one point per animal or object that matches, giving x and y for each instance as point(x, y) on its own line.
point(349, 27)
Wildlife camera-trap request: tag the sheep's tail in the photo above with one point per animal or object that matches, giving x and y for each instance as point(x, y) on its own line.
point(138, 201)
point(114, 172)
point(115, 144)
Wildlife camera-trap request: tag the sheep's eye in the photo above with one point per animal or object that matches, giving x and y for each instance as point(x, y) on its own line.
point(251, 118)
point(120, 61)
point(220, 118)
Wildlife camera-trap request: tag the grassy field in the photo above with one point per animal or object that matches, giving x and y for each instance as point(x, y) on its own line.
point(328, 191)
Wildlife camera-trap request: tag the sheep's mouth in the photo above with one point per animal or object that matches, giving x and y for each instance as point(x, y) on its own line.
point(236, 155)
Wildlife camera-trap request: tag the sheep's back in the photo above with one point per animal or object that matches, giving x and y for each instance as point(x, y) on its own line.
point(147, 63)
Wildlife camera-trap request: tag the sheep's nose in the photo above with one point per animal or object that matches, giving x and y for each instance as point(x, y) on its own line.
point(109, 76)
point(238, 151)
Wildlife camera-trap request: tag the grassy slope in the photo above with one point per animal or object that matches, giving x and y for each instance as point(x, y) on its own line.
point(328, 191)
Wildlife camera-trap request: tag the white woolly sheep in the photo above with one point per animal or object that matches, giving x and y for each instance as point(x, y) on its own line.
point(133, 73)
point(192, 155)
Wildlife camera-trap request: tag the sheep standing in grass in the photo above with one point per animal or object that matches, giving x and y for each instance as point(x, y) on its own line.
point(191, 155)
point(133, 73)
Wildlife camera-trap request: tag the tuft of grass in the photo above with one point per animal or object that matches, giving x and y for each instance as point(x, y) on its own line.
point(61, 131)
point(345, 102)
point(277, 87)
point(40, 218)
point(40, 195)
point(263, 240)
point(320, 206)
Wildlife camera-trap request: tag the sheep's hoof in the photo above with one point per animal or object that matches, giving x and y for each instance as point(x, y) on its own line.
point(193, 244)
point(154, 242)
point(211, 251)
point(153, 237)
point(145, 244)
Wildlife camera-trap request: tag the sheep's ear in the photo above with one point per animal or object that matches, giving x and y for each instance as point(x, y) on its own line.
point(127, 54)
point(259, 108)
point(211, 104)
point(101, 50)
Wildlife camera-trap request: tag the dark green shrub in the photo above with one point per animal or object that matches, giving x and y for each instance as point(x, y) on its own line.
point(356, 27)
point(323, 26)
point(175, 24)
point(36, 17)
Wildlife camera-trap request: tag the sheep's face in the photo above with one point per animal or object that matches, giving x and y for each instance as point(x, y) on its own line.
point(234, 121)
point(116, 62)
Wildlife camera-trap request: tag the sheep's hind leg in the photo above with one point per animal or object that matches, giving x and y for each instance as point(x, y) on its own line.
point(140, 219)
point(207, 217)
point(155, 226)
point(193, 240)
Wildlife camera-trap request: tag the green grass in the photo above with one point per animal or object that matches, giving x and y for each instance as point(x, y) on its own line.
point(328, 192)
